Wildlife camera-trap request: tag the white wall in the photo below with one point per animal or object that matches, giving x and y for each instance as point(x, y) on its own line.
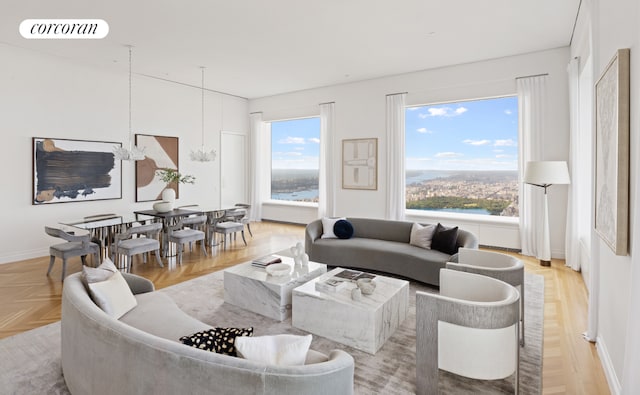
point(45, 96)
point(360, 113)
point(615, 25)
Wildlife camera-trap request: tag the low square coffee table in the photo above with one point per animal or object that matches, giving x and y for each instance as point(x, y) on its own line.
point(363, 324)
point(253, 289)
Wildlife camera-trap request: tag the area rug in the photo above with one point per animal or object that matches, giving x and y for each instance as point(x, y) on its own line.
point(30, 362)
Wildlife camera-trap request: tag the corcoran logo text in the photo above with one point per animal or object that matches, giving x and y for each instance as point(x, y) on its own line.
point(64, 29)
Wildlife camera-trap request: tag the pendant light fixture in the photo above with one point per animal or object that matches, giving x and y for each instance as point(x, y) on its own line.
point(202, 154)
point(133, 153)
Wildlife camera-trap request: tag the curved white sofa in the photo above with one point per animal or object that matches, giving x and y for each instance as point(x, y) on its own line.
point(382, 245)
point(141, 353)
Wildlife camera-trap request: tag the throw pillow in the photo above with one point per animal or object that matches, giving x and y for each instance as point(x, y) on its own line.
point(421, 236)
point(285, 350)
point(100, 273)
point(445, 239)
point(343, 229)
point(327, 227)
point(113, 296)
point(218, 340)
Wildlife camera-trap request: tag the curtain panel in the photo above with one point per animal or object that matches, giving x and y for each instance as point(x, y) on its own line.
point(258, 140)
point(327, 176)
point(532, 93)
point(572, 236)
point(396, 202)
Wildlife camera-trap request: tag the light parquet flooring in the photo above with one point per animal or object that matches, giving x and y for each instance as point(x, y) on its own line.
point(570, 364)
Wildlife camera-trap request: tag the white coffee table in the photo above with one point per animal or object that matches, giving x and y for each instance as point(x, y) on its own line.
point(365, 324)
point(253, 289)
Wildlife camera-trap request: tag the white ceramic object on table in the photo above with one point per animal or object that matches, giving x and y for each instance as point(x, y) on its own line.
point(278, 269)
point(163, 207)
point(366, 285)
point(169, 195)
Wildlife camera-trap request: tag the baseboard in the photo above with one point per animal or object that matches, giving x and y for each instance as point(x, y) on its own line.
point(24, 255)
point(607, 365)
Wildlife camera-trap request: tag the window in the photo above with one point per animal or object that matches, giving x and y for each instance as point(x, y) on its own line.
point(295, 159)
point(463, 157)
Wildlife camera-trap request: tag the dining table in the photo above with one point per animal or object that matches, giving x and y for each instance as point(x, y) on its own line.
point(103, 227)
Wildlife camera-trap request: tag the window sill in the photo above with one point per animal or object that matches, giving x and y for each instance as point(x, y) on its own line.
point(272, 202)
point(471, 218)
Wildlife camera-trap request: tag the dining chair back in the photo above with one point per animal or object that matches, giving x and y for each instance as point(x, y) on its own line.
point(75, 245)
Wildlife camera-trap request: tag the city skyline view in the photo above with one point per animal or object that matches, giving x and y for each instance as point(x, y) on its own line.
point(465, 135)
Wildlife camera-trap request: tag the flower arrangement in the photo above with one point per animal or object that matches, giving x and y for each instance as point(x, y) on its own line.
point(172, 175)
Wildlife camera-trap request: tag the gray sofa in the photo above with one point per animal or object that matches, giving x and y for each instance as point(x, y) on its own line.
point(382, 245)
point(140, 353)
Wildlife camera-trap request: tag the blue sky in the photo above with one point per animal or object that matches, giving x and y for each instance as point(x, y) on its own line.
point(295, 144)
point(470, 135)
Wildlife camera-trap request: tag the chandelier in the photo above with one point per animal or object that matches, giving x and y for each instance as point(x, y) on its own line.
point(133, 153)
point(202, 154)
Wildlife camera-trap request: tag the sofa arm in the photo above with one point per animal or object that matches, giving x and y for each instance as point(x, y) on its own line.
point(138, 284)
point(467, 239)
point(312, 233)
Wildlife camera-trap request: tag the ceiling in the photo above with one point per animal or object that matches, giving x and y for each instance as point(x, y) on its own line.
point(261, 48)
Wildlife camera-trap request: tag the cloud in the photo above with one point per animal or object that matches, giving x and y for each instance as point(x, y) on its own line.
point(298, 148)
point(314, 140)
point(289, 153)
point(476, 142)
point(502, 156)
point(292, 140)
point(505, 143)
point(498, 150)
point(448, 154)
point(443, 112)
point(413, 108)
point(508, 112)
point(423, 130)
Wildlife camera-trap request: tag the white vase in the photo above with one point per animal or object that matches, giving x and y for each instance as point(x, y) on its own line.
point(169, 195)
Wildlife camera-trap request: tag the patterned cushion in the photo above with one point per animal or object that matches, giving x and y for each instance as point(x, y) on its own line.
point(218, 340)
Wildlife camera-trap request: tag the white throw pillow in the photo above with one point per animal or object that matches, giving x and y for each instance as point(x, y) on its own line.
point(100, 273)
point(421, 236)
point(285, 350)
point(113, 296)
point(327, 227)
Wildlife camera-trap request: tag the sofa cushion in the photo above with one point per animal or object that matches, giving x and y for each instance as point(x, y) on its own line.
point(421, 236)
point(285, 350)
point(113, 295)
point(327, 227)
point(97, 274)
point(159, 315)
point(445, 239)
point(343, 229)
point(218, 340)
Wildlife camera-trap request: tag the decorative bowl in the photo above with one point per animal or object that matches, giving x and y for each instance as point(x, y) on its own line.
point(366, 285)
point(278, 269)
point(163, 207)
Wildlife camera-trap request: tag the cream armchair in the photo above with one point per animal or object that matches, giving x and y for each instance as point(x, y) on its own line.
point(503, 267)
point(469, 329)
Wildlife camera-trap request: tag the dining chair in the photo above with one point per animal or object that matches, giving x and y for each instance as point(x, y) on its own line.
point(136, 240)
point(470, 329)
point(75, 245)
point(227, 227)
point(241, 214)
point(188, 230)
point(500, 266)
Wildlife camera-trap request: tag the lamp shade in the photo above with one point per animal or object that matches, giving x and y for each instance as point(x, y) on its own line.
point(546, 173)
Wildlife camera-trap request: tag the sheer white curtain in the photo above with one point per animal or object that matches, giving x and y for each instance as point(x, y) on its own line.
point(327, 184)
point(572, 236)
point(532, 100)
point(258, 148)
point(395, 156)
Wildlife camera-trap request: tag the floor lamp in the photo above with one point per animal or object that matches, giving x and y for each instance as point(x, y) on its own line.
point(544, 174)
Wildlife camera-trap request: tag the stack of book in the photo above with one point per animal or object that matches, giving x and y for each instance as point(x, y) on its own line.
point(265, 261)
point(340, 280)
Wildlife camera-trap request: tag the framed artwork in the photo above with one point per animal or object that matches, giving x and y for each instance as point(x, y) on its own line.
point(161, 152)
point(67, 170)
point(360, 164)
point(612, 154)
